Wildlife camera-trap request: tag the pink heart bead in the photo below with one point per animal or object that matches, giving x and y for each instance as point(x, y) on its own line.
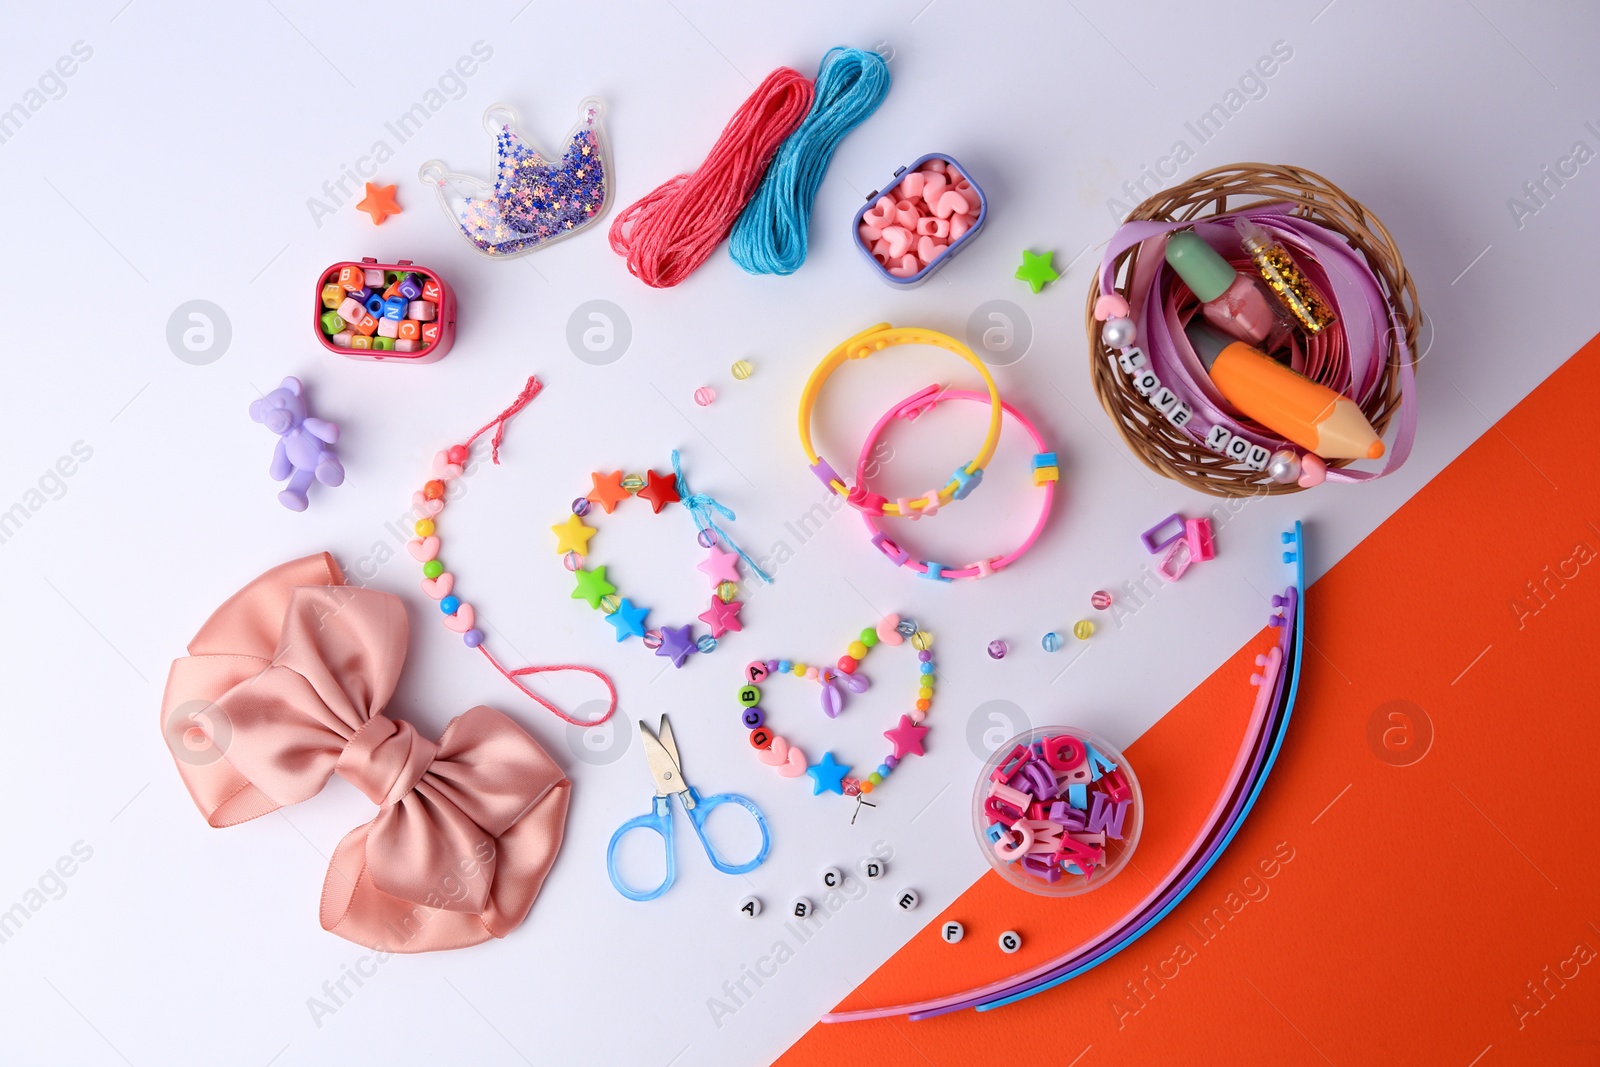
point(898, 239)
point(443, 469)
point(960, 224)
point(423, 550)
point(929, 250)
point(880, 252)
point(879, 214)
point(906, 215)
point(927, 227)
point(1110, 306)
point(952, 203)
point(462, 620)
point(911, 184)
point(1312, 470)
point(424, 508)
point(909, 266)
point(935, 187)
point(869, 233)
point(964, 187)
point(933, 166)
point(439, 588)
point(887, 632)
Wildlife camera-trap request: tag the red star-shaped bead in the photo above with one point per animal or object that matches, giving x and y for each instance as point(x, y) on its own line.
point(608, 491)
point(906, 738)
point(722, 618)
point(660, 490)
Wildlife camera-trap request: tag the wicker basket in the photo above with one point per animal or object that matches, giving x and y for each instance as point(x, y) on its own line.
point(1163, 447)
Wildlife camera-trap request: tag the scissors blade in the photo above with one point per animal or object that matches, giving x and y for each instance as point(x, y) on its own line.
point(663, 760)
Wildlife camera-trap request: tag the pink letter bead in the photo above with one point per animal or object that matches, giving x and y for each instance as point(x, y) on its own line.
point(422, 311)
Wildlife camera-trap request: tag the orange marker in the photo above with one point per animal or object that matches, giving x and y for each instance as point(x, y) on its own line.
point(1289, 404)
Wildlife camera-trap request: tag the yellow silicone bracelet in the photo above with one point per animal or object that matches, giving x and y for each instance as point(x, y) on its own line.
point(875, 339)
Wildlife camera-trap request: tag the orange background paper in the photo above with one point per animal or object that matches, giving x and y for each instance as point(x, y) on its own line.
point(1441, 909)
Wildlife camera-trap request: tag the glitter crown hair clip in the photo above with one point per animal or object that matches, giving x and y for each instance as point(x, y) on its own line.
point(535, 200)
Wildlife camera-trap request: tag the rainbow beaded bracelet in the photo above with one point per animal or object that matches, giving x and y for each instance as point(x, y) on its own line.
point(828, 775)
point(874, 339)
point(721, 566)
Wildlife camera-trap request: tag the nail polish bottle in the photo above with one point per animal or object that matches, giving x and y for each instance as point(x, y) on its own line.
point(1240, 305)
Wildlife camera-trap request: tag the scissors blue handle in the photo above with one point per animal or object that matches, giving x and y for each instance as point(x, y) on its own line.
point(659, 820)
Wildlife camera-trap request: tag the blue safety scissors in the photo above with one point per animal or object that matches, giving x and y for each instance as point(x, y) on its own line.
point(661, 752)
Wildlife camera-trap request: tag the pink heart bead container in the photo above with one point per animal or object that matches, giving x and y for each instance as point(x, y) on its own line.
point(917, 223)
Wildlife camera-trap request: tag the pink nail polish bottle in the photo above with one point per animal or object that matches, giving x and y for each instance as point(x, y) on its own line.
point(1238, 304)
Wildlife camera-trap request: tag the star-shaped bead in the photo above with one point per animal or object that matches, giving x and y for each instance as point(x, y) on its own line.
point(677, 642)
point(628, 620)
point(721, 617)
point(720, 566)
point(906, 738)
point(379, 203)
point(592, 585)
point(572, 536)
point(608, 491)
point(660, 490)
point(827, 776)
point(1036, 270)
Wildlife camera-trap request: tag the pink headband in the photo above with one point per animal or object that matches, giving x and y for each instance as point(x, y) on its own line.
point(285, 685)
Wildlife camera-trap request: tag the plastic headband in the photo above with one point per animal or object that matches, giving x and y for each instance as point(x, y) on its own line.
point(874, 339)
point(1046, 473)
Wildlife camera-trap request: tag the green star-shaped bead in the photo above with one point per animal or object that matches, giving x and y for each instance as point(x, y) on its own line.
point(592, 585)
point(1036, 270)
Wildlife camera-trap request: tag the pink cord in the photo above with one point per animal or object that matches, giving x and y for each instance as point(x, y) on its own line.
point(529, 391)
point(666, 234)
point(512, 676)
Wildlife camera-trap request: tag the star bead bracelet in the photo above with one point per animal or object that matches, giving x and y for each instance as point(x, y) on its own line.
point(828, 775)
point(439, 584)
point(721, 566)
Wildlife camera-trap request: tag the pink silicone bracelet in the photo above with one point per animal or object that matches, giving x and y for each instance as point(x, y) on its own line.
point(909, 408)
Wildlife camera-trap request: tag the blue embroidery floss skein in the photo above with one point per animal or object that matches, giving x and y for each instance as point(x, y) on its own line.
point(771, 234)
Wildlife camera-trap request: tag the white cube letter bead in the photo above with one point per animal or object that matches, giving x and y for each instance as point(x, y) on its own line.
point(1164, 399)
point(750, 907)
point(1217, 439)
point(1238, 448)
point(1010, 941)
point(872, 868)
point(952, 932)
point(1180, 414)
point(908, 899)
point(1146, 382)
point(1257, 458)
point(801, 908)
point(1131, 361)
point(832, 877)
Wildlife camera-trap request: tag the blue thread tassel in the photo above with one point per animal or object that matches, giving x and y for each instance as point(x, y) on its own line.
point(701, 506)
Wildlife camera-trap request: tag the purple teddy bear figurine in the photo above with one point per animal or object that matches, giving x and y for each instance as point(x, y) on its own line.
point(302, 453)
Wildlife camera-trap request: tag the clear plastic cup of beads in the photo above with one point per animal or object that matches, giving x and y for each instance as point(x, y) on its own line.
point(1057, 811)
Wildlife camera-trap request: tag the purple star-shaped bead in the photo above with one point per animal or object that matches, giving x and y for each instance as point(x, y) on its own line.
point(677, 642)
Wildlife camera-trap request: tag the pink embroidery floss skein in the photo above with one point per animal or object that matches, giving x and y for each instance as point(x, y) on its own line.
point(666, 234)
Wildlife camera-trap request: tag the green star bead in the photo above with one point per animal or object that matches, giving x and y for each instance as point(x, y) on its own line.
point(592, 586)
point(1036, 270)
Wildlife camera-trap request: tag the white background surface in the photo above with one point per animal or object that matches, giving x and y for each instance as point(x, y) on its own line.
point(177, 165)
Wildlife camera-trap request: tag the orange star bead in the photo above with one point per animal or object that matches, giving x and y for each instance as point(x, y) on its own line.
point(379, 203)
point(608, 491)
point(660, 490)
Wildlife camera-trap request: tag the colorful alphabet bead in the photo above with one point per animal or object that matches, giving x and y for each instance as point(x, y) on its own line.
point(403, 304)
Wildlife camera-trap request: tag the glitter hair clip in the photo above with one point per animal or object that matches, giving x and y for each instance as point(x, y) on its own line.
point(536, 199)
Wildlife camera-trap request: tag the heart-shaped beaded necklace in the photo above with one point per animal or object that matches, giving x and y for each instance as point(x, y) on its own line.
point(827, 774)
point(439, 584)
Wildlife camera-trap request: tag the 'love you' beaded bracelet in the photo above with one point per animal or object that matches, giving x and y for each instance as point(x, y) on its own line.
point(963, 480)
point(439, 584)
point(721, 566)
point(827, 774)
point(1046, 473)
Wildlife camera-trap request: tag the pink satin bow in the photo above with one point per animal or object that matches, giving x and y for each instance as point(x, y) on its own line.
point(286, 684)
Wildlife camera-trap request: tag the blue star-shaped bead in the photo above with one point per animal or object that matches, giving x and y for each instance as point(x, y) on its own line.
point(677, 642)
point(628, 620)
point(827, 776)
